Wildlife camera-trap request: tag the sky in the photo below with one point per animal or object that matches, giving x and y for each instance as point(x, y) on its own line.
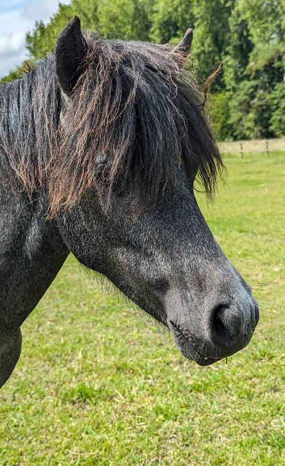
point(17, 17)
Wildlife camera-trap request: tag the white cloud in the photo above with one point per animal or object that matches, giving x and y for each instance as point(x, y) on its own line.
point(12, 45)
point(8, 5)
point(17, 17)
point(43, 10)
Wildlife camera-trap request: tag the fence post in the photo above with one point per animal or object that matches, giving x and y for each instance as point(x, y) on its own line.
point(267, 147)
point(241, 149)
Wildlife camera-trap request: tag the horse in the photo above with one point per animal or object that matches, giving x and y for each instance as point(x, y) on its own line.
point(100, 145)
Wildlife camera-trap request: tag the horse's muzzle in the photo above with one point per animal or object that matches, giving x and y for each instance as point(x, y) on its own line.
point(217, 334)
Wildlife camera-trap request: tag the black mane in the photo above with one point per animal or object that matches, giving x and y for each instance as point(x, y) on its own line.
point(29, 121)
point(133, 105)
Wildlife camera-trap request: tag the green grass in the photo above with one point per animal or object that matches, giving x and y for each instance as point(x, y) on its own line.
point(99, 385)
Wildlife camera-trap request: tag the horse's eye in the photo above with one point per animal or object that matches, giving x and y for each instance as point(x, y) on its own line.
point(101, 163)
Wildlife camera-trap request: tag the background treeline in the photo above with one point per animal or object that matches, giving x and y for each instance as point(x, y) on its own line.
point(248, 99)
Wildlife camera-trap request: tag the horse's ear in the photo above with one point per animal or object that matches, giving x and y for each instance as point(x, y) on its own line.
point(184, 46)
point(70, 51)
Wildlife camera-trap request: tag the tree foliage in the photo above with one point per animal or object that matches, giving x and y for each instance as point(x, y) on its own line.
point(248, 99)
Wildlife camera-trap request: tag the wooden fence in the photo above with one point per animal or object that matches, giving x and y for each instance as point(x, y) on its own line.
point(253, 146)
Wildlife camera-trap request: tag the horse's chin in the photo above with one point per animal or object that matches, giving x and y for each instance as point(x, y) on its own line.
point(188, 350)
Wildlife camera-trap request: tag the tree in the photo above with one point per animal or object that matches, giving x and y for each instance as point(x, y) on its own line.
point(125, 19)
point(248, 36)
point(277, 117)
point(18, 72)
point(170, 20)
point(212, 33)
point(42, 40)
point(255, 67)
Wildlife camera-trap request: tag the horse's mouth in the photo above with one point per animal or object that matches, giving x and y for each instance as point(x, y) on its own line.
point(188, 349)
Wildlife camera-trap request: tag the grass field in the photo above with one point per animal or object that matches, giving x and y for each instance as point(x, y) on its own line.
point(99, 385)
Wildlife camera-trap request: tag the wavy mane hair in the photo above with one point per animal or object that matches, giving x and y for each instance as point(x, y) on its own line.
point(134, 120)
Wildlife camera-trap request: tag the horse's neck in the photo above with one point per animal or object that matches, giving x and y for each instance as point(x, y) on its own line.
point(31, 254)
point(31, 249)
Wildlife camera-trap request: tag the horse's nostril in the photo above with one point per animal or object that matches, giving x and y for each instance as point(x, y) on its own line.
point(219, 321)
point(226, 325)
